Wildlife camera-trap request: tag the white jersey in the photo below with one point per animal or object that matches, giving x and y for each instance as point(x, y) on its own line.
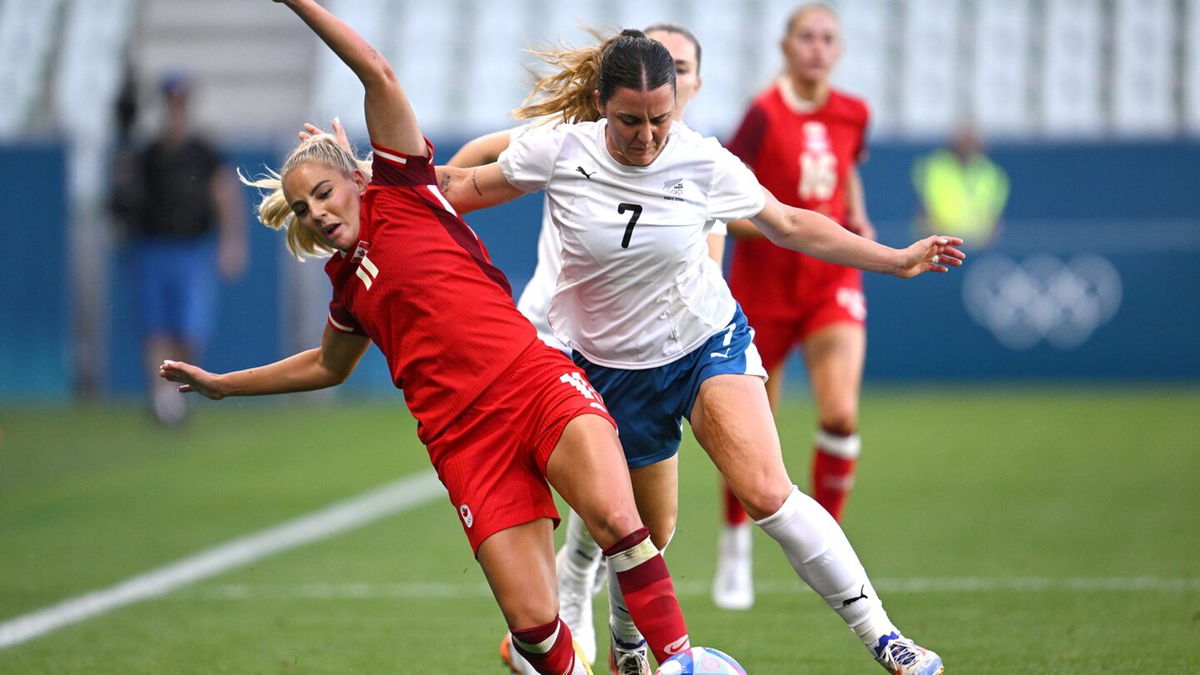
point(534, 302)
point(636, 288)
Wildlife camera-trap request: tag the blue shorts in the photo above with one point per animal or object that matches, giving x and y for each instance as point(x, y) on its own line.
point(177, 288)
point(649, 405)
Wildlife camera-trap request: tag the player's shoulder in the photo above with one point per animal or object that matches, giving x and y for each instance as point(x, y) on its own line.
point(848, 105)
point(335, 264)
point(769, 96)
point(537, 125)
point(692, 145)
point(543, 127)
point(685, 133)
point(557, 138)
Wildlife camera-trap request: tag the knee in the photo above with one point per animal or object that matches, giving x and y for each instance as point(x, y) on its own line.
point(528, 611)
point(661, 529)
point(763, 498)
point(611, 526)
point(840, 420)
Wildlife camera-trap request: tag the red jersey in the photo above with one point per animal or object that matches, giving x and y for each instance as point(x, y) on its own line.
point(420, 284)
point(804, 157)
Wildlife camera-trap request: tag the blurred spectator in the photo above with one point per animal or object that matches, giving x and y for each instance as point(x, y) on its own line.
point(962, 192)
point(185, 222)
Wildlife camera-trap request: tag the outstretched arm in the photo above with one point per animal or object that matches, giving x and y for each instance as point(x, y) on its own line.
point(475, 188)
point(744, 229)
point(466, 186)
point(857, 220)
point(483, 149)
point(812, 233)
point(390, 119)
point(324, 366)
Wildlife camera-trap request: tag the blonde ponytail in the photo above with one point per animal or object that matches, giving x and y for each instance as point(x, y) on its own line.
point(273, 209)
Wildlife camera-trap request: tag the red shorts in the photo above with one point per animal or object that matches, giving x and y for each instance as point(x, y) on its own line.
point(492, 458)
point(831, 294)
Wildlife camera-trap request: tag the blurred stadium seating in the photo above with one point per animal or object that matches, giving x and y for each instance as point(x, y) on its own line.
point(1023, 67)
point(1114, 81)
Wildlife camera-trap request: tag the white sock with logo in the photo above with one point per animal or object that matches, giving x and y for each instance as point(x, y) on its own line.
point(822, 556)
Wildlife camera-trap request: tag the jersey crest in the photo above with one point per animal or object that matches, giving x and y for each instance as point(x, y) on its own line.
point(673, 190)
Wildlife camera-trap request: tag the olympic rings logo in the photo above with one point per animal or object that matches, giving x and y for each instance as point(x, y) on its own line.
point(1042, 298)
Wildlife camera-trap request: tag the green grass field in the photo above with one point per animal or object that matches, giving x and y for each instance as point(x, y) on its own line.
point(1040, 530)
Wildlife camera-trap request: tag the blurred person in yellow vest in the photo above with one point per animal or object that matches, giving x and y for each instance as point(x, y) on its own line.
point(962, 192)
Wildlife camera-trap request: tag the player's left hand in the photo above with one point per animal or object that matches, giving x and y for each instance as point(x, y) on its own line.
point(190, 378)
point(935, 253)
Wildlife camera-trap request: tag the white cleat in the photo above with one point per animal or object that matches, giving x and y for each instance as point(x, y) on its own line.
point(901, 656)
point(733, 586)
point(627, 659)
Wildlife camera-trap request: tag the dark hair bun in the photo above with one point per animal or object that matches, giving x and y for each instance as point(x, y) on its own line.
point(633, 33)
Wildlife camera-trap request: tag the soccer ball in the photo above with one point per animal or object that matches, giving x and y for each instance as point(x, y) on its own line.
point(700, 661)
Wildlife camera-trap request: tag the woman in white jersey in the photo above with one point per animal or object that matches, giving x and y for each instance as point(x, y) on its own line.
point(650, 319)
point(580, 568)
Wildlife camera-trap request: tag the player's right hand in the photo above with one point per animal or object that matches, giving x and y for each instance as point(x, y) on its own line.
point(934, 253)
point(190, 378)
point(339, 132)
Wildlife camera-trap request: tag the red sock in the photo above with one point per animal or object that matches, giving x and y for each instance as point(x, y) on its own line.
point(734, 513)
point(834, 460)
point(649, 594)
point(547, 648)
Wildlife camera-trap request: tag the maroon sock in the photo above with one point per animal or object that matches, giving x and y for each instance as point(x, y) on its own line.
point(649, 593)
point(547, 648)
point(832, 476)
point(734, 513)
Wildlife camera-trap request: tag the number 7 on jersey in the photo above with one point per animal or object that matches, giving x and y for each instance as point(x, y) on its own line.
point(637, 211)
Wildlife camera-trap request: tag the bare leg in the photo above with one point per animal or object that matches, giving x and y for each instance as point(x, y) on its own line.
point(733, 583)
point(588, 469)
point(834, 356)
point(733, 422)
point(519, 565)
point(579, 565)
point(656, 491)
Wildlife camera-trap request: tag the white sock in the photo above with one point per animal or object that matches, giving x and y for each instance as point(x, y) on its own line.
point(821, 555)
point(619, 621)
point(582, 552)
point(736, 541)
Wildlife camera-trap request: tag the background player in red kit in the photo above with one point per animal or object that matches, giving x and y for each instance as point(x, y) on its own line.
point(499, 411)
point(802, 139)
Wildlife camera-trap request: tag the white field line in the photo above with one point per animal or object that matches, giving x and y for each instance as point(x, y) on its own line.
point(333, 519)
point(437, 590)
